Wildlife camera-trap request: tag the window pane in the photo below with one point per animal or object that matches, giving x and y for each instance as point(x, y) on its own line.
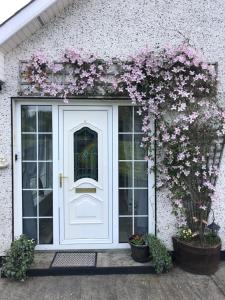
point(45, 147)
point(28, 118)
point(125, 174)
point(45, 204)
point(125, 118)
point(29, 175)
point(30, 228)
point(29, 203)
point(85, 154)
point(141, 225)
point(137, 121)
point(45, 175)
point(141, 202)
point(45, 231)
point(125, 202)
point(29, 146)
point(125, 229)
point(125, 147)
point(139, 152)
point(44, 118)
point(140, 174)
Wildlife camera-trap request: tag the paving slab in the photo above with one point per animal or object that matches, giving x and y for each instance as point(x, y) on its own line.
point(118, 259)
point(219, 277)
point(175, 285)
point(42, 260)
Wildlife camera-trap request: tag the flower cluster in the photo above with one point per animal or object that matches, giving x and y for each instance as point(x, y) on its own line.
point(185, 234)
point(83, 70)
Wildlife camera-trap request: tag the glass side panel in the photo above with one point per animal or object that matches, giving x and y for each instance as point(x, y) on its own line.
point(133, 175)
point(37, 173)
point(85, 154)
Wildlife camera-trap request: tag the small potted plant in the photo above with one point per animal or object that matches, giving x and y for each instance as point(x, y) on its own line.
point(139, 248)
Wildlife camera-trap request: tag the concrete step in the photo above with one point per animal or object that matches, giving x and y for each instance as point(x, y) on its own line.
point(107, 262)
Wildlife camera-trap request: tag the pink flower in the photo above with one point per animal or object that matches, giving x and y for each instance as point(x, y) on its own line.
point(177, 130)
point(203, 207)
point(181, 156)
point(165, 137)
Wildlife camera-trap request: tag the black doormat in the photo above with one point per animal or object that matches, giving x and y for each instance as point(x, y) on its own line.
point(74, 259)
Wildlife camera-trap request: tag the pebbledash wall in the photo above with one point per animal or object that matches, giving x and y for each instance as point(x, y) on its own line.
point(118, 28)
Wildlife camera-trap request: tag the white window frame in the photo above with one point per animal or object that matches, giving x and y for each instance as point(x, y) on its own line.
point(17, 186)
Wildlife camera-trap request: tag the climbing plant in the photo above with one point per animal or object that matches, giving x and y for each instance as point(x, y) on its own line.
point(176, 92)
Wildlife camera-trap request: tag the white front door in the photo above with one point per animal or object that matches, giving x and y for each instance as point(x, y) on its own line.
point(85, 181)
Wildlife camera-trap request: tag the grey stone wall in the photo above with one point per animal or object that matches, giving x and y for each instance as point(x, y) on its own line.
point(109, 29)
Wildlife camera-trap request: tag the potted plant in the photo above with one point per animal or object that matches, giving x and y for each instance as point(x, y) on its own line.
point(198, 253)
point(139, 248)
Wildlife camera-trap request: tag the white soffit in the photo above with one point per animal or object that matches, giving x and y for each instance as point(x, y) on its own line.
point(27, 21)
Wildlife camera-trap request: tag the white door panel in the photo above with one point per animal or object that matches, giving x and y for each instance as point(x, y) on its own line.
point(87, 184)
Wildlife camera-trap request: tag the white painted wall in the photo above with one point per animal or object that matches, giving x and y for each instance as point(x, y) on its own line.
point(117, 28)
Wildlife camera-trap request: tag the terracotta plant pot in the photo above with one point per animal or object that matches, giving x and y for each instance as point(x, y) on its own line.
point(196, 259)
point(140, 253)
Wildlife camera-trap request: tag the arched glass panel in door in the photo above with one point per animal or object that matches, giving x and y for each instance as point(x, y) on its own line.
point(85, 154)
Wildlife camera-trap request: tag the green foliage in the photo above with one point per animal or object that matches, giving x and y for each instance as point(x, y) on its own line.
point(185, 234)
point(137, 239)
point(161, 258)
point(19, 258)
point(211, 238)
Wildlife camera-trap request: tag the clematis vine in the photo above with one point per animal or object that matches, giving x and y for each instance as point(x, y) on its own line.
point(176, 92)
point(176, 89)
point(84, 71)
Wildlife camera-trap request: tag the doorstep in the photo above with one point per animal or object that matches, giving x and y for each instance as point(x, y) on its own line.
point(106, 262)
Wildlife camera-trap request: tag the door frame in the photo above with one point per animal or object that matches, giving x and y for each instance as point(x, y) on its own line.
point(17, 102)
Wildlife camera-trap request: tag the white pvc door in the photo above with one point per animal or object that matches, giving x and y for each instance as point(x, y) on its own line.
point(86, 178)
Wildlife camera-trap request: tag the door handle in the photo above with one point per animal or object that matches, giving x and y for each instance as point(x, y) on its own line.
point(61, 178)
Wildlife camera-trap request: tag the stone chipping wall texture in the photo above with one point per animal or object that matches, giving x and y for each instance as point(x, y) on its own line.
point(110, 29)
